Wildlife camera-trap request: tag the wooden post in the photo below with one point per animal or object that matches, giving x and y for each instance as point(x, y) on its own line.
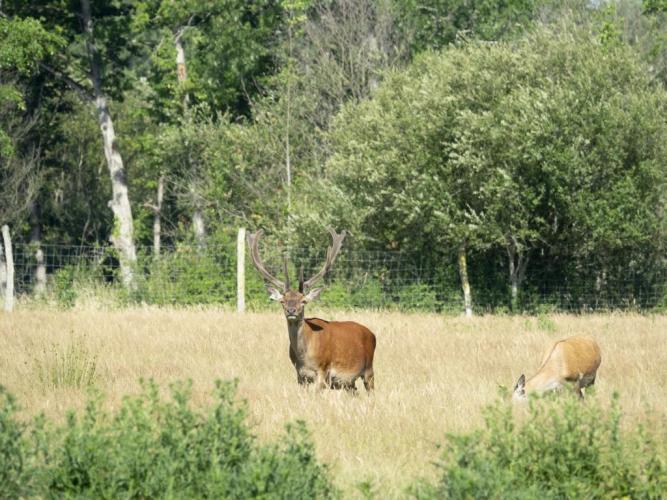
point(240, 271)
point(9, 258)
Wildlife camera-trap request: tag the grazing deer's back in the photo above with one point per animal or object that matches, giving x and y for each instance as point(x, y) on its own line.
point(581, 354)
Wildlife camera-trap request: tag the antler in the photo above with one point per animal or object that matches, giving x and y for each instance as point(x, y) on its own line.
point(332, 253)
point(253, 242)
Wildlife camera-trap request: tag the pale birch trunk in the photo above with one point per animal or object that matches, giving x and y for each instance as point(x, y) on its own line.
point(157, 221)
point(39, 287)
point(518, 261)
point(3, 272)
point(123, 233)
point(465, 284)
point(198, 225)
point(9, 261)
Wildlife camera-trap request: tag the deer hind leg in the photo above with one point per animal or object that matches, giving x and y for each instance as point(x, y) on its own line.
point(585, 381)
point(369, 380)
point(582, 382)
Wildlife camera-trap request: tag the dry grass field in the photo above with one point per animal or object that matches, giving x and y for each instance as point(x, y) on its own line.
point(433, 373)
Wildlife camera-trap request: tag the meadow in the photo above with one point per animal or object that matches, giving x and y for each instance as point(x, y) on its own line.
point(433, 373)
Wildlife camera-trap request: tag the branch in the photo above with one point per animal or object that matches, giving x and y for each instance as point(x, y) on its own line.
point(80, 89)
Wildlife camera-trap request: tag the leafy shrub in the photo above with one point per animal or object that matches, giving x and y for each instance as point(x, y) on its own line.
point(336, 296)
point(368, 295)
point(75, 367)
point(564, 449)
point(152, 447)
point(63, 288)
point(188, 276)
point(417, 297)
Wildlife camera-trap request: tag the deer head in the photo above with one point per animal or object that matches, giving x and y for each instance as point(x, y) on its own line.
point(293, 301)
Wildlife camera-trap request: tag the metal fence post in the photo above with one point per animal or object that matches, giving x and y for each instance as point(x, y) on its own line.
point(240, 271)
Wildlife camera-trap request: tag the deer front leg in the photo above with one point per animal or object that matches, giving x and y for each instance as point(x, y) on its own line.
point(321, 379)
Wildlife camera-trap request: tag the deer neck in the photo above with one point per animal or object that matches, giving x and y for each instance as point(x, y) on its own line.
point(297, 337)
point(541, 382)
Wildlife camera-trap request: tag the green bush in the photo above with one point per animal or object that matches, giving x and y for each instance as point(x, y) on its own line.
point(336, 296)
point(417, 297)
point(564, 449)
point(63, 288)
point(156, 448)
point(187, 276)
point(368, 296)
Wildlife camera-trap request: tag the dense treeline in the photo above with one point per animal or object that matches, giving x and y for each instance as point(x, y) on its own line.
point(522, 141)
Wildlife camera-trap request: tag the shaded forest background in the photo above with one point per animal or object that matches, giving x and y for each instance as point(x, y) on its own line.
point(520, 146)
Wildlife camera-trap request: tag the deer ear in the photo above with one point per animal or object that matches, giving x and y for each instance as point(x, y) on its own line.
point(312, 295)
point(273, 293)
point(520, 384)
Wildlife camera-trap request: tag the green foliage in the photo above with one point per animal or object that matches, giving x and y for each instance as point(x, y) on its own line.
point(336, 296)
point(545, 323)
point(155, 448)
point(63, 286)
point(543, 146)
point(189, 276)
point(417, 297)
point(562, 449)
point(75, 367)
point(369, 295)
point(436, 24)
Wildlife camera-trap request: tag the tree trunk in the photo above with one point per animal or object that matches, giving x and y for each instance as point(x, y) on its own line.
point(465, 284)
point(181, 68)
point(39, 287)
point(518, 261)
point(9, 260)
point(3, 272)
point(157, 220)
point(198, 226)
point(123, 233)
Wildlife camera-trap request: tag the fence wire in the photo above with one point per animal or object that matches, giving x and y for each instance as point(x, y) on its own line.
point(360, 279)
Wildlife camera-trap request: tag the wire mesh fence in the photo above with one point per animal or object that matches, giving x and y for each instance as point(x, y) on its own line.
point(185, 274)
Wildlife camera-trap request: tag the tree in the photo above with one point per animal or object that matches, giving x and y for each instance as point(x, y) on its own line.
point(489, 147)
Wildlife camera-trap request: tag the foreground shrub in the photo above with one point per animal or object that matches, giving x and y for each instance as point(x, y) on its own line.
point(154, 448)
point(563, 449)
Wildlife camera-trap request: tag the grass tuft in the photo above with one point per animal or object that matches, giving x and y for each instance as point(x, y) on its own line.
point(73, 367)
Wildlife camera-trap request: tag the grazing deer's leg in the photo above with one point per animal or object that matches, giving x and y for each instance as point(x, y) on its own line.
point(579, 385)
point(369, 380)
point(321, 379)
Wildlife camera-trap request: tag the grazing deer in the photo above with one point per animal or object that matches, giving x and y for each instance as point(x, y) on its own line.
point(575, 359)
point(330, 353)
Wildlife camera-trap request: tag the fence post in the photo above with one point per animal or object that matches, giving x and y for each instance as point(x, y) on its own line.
point(9, 258)
point(240, 271)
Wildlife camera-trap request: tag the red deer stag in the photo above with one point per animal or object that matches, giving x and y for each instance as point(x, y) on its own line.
point(330, 353)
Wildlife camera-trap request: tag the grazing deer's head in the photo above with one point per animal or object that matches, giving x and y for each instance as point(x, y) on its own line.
point(293, 301)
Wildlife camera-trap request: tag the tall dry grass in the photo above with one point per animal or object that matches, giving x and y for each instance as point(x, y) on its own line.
point(433, 373)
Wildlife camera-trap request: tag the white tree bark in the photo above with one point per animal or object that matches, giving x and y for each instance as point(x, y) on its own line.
point(240, 271)
point(465, 284)
point(39, 287)
point(123, 233)
point(157, 220)
point(518, 261)
point(3, 272)
point(9, 261)
point(198, 225)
